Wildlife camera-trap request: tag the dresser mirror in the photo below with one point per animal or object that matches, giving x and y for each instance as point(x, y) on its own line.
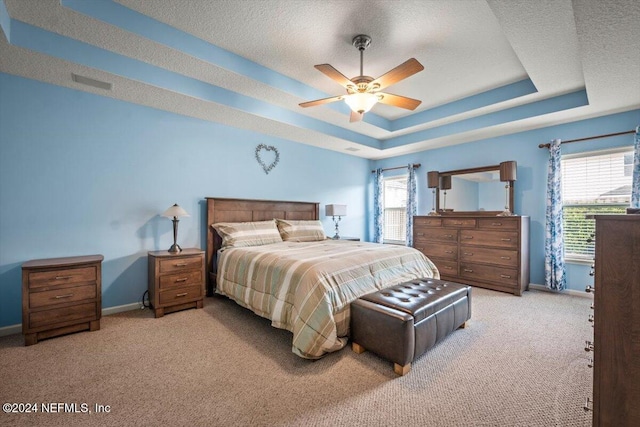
point(475, 191)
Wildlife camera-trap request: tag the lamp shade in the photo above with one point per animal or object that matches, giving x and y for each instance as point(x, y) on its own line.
point(175, 211)
point(361, 102)
point(508, 171)
point(336, 210)
point(433, 179)
point(445, 182)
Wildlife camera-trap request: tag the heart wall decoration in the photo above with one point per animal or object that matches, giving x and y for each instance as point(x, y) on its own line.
point(266, 148)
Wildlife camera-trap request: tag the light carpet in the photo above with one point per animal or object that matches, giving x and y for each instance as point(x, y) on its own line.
point(520, 362)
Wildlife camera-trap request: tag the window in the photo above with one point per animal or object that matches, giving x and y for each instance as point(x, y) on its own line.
point(592, 183)
point(394, 200)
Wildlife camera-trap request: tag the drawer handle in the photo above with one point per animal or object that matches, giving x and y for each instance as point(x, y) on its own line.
point(506, 240)
point(448, 236)
point(64, 296)
point(448, 252)
point(182, 264)
point(184, 279)
point(63, 277)
point(420, 234)
point(496, 224)
point(420, 249)
point(468, 270)
point(457, 223)
point(467, 237)
point(446, 267)
point(505, 276)
point(468, 253)
point(184, 294)
point(505, 257)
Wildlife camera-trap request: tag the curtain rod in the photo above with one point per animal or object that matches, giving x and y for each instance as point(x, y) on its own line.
point(547, 145)
point(415, 166)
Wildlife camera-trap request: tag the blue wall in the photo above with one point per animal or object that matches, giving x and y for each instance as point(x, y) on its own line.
point(83, 174)
point(530, 188)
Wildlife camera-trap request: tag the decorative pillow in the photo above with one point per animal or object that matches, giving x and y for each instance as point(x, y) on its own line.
point(240, 234)
point(301, 231)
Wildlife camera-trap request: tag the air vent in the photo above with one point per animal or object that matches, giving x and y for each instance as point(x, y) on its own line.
point(352, 149)
point(91, 82)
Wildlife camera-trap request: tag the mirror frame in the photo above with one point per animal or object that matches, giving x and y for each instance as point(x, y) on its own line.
point(474, 213)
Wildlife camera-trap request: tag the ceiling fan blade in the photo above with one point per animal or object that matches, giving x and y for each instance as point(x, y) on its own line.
point(398, 100)
point(321, 101)
point(402, 71)
point(334, 75)
point(355, 116)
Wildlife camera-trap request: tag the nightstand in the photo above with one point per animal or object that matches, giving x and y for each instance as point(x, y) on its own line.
point(176, 280)
point(61, 296)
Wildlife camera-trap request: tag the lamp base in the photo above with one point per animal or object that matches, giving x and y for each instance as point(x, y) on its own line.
point(433, 213)
point(175, 248)
point(506, 213)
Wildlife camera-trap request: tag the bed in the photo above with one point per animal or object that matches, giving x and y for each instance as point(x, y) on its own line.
point(305, 287)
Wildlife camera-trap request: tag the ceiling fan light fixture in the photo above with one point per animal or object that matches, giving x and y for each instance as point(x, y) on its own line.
point(361, 102)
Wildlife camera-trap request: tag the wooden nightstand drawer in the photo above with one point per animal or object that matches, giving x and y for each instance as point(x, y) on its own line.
point(180, 295)
point(62, 277)
point(179, 264)
point(62, 296)
point(437, 234)
point(54, 316)
point(183, 279)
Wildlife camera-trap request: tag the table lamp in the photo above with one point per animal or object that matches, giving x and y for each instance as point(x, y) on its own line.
point(175, 212)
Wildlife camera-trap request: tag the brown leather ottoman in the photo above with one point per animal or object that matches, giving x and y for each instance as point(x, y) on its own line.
point(402, 322)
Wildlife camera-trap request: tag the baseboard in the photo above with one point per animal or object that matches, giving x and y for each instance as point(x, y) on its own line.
point(16, 329)
point(572, 292)
point(10, 330)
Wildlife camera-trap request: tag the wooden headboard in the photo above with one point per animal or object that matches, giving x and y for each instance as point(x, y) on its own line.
point(243, 210)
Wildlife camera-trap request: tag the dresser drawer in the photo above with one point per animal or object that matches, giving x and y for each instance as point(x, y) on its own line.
point(504, 257)
point(501, 239)
point(176, 296)
point(500, 223)
point(425, 221)
point(459, 222)
point(61, 296)
point(439, 250)
point(437, 234)
point(40, 279)
point(193, 277)
point(63, 314)
point(506, 276)
point(180, 264)
point(446, 268)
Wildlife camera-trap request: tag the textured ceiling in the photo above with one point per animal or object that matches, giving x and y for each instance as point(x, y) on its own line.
point(491, 67)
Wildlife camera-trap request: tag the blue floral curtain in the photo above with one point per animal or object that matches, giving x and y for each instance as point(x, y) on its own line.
point(635, 187)
point(555, 277)
point(412, 208)
point(378, 208)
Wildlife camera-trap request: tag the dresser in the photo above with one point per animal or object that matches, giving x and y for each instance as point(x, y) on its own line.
point(486, 251)
point(616, 340)
point(176, 280)
point(61, 296)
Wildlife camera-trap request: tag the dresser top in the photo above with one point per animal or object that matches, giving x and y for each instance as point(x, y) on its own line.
point(62, 262)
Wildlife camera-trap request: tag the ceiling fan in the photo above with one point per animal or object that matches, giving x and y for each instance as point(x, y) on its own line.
point(363, 92)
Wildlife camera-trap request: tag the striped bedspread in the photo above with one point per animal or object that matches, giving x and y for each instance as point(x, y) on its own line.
point(306, 287)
